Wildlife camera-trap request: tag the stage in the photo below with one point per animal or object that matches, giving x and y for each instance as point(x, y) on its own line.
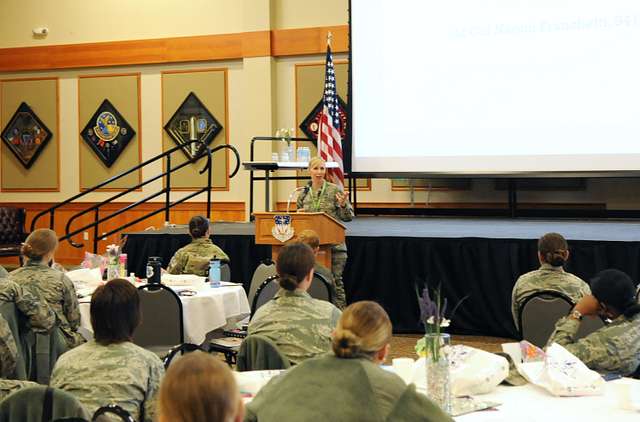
point(390, 259)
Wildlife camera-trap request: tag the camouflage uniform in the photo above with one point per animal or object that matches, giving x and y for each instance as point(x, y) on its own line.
point(3, 272)
point(58, 291)
point(614, 348)
point(300, 325)
point(121, 373)
point(547, 277)
point(8, 350)
point(31, 304)
point(194, 258)
point(40, 317)
point(325, 201)
point(9, 386)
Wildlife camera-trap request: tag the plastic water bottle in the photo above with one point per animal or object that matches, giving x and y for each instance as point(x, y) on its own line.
point(214, 273)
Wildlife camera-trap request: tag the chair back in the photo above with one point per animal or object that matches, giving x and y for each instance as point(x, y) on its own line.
point(111, 409)
point(259, 353)
point(11, 230)
point(225, 272)
point(41, 403)
point(539, 314)
point(320, 288)
point(162, 321)
point(181, 349)
point(265, 293)
point(266, 269)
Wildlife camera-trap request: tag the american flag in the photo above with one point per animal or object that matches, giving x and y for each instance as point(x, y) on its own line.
point(329, 139)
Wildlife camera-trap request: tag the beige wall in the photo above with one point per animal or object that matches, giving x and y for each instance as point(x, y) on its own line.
point(261, 90)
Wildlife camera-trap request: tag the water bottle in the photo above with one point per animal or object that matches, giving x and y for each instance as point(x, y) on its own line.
point(154, 267)
point(214, 273)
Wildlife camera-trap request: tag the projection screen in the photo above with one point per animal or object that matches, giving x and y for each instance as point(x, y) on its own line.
point(495, 86)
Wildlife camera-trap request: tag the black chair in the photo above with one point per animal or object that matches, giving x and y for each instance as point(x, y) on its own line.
point(12, 232)
point(266, 269)
point(225, 271)
point(265, 293)
point(258, 353)
point(321, 288)
point(41, 403)
point(182, 349)
point(112, 409)
point(162, 326)
point(540, 312)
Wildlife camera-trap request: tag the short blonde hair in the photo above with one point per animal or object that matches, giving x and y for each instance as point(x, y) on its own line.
point(309, 237)
point(39, 243)
point(317, 160)
point(363, 329)
point(198, 388)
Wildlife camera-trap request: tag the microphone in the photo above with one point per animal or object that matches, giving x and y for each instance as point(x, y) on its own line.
point(304, 188)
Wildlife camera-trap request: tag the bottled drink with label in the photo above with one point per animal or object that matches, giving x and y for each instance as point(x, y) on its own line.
point(214, 272)
point(154, 267)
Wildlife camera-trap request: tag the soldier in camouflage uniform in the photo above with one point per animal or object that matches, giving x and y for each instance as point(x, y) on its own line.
point(111, 369)
point(39, 315)
point(52, 285)
point(553, 253)
point(194, 258)
point(614, 348)
point(323, 196)
point(298, 324)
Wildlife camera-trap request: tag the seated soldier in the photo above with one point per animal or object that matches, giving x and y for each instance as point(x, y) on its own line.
point(111, 369)
point(40, 318)
point(194, 258)
point(298, 324)
point(553, 253)
point(199, 388)
point(347, 384)
point(614, 348)
point(53, 285)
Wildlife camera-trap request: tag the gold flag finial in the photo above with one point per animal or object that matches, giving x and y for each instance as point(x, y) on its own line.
point(329, 38)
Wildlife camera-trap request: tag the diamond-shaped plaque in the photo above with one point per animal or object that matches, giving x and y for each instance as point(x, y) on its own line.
point(26, 135)
point(107, 133)
point(311, 123)
point(192, 122)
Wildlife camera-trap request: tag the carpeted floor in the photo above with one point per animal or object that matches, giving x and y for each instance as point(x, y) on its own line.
point(402, 345)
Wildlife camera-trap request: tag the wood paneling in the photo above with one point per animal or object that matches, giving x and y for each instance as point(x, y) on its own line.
point(67, 254)
point(276, 43)
point(299, 41)
point(136, 52)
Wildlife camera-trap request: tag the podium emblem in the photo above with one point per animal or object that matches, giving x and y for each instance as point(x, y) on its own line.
point(282, 230)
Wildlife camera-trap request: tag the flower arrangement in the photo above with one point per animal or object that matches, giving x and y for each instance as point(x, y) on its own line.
point(432, 315)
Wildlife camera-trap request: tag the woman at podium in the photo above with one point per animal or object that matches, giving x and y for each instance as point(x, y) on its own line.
point(324, 196)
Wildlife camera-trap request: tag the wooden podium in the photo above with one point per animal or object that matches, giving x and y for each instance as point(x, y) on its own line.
point(330, 231)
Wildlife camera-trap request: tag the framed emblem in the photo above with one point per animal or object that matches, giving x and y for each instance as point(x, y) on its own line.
point(107, 133)
point(282, 230)
point(310, 123)
point(192, 122)
point(25, 135)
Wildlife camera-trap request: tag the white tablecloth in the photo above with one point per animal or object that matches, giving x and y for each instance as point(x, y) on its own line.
point(211, 308)
point(527, 403)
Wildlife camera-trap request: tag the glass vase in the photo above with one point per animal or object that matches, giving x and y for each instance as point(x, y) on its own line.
point(438, 374)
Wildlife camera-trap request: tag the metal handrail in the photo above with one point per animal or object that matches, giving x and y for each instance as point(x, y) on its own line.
point(204, 150)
